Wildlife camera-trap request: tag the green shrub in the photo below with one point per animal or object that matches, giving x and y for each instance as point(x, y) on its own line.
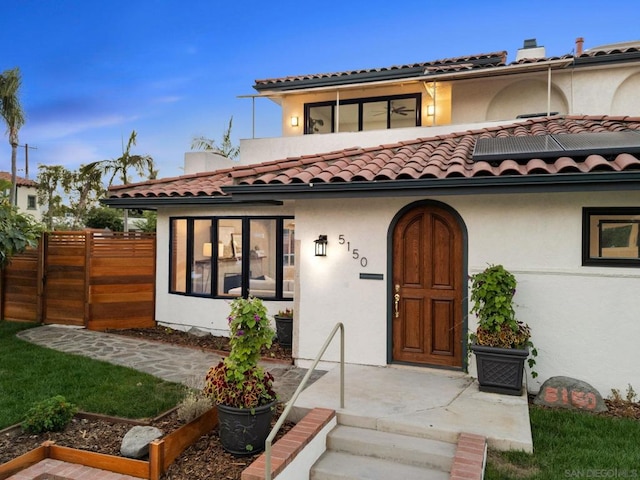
point(49, 415)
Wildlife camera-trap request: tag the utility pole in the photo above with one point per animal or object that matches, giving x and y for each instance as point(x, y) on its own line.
point(26, 158)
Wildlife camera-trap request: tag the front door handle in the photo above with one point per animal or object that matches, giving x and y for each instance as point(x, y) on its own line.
point(396, 301)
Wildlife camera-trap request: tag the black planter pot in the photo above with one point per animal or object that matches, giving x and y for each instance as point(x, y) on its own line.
point(284, 330)
point(243, 431)
point(500, 370)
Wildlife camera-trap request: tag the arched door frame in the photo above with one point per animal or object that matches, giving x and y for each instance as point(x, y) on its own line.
point(465, 274)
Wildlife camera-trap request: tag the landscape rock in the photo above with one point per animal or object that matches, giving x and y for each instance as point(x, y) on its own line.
point(567, 392)
point(198, 332)
point(135, 443)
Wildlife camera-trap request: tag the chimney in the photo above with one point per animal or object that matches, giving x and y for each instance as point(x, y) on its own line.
point(579, 45)
point(530, 50)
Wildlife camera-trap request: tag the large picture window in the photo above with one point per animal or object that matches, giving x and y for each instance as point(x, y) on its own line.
point(233, 256)
point(360, 114)
point(611, 237)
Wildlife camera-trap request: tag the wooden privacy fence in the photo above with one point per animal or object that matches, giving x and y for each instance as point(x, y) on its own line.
point(98, 280)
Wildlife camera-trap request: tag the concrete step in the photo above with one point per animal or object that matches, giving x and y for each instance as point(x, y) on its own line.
point(420, 452)
point(344, 466)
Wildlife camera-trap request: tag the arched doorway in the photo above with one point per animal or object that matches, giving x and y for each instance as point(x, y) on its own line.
point(428, 286)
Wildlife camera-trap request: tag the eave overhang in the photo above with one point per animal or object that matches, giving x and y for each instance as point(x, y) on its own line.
point(152, 203)
point(415, 75)
point(568, 182)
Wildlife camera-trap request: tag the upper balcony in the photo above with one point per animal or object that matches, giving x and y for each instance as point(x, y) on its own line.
point(327, 112)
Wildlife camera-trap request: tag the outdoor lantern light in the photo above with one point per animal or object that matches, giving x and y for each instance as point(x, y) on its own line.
point(321, 246)
point(206, 249)
point(431, 110)
point(294, 121)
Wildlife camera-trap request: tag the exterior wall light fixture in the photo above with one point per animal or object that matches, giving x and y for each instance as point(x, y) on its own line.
point(294, 121)
point(321, 246)
point(431, 110)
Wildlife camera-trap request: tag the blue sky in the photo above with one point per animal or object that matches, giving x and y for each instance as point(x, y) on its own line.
point(93, 71)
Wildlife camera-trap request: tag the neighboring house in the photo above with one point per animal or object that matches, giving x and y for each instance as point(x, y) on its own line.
point(27, 195)
point(414, 210)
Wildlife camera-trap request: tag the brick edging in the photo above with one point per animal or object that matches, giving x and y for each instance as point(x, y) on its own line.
point(292, 443)
point(469, 461)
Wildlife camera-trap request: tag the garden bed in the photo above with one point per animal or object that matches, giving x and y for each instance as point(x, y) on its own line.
point(218, 344)
point(193, 452)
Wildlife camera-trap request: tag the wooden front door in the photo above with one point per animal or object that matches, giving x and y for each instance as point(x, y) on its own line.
point(427, 289)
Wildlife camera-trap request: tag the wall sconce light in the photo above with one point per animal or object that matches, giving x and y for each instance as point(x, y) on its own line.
point(294, 121)
point(206, 250)
point(431, 110)
point(321, 246)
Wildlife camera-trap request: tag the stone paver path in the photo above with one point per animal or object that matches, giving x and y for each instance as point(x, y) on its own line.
point(169, 362)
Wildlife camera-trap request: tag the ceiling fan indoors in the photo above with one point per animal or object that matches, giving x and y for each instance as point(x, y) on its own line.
point(399, 110)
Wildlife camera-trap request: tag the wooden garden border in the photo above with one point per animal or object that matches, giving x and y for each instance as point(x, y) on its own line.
point(162, 452)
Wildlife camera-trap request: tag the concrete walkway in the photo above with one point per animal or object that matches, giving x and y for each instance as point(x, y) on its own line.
point(169, 362)
point(421, 402)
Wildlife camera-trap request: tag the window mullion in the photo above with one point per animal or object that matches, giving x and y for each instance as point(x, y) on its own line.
point(189, 271)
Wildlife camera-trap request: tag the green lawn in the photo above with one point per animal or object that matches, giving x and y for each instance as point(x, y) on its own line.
point(571, 444)
point(29, 373)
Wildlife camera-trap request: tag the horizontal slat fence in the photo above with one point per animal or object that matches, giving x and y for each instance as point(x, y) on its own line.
point(94, 279)
point(64, 277)
point(22, 288)
point(121, 281)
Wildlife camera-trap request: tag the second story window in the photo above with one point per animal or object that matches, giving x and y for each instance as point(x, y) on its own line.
point(355, 115)
point(31, 202)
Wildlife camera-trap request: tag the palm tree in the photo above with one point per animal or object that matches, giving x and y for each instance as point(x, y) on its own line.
point(14, 117)
point(226, 148)
point(143, 164)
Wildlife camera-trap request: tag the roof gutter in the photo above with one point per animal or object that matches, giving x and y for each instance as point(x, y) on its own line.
point(566, 182)
point(152, 203)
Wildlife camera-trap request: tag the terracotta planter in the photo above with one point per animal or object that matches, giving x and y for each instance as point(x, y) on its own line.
point(500, 370)
point(284, 330)
point(243, 431)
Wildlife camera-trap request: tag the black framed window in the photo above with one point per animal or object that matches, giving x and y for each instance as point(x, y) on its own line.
point(224, 257)
point(610, 236)
point(31, 202)
point(354, 115)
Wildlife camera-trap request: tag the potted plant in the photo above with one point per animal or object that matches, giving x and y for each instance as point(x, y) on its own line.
point(242, 390)
point(501, 343)
point(284, 327)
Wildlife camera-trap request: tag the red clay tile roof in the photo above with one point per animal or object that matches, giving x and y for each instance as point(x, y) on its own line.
point(20, 181)
point(468, 62)
point(447, 65)
point(444, 156)
point(207, 184)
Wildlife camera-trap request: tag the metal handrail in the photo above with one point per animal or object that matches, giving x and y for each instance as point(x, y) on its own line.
point(294, 397)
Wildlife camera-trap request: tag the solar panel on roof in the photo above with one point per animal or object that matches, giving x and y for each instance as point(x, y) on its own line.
point(605, 142)
point(515, 148)
point(553, 146)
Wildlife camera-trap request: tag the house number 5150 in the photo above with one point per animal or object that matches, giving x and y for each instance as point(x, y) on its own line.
point(355, 253)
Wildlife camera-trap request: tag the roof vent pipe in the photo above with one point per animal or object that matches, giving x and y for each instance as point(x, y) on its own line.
point(530, 50)
point(579, 46)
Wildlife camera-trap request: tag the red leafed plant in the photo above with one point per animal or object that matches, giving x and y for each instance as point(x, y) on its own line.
point(238, 381)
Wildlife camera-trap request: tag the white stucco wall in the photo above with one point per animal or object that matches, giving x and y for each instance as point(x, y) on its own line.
point(22, 201)
point(583, 319)
point(570, 308)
